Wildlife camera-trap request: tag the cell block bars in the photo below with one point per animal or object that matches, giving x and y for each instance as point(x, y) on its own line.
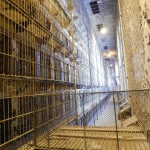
point(36, 72)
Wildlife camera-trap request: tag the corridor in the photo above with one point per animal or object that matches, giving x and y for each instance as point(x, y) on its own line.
point(106, 114)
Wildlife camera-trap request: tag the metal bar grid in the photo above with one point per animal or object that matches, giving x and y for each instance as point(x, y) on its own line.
point(105, 137)
point(36, 89)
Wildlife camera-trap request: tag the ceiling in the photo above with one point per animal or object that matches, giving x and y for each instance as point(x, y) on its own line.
point(103, 13)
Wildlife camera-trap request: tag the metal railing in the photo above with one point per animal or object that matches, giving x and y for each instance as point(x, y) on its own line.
point(120, 118)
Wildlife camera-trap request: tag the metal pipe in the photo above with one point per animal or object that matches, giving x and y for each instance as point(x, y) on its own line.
point(122, 41)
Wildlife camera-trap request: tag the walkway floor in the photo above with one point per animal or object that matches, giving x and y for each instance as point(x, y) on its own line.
point(106, 115)
point(96, 138)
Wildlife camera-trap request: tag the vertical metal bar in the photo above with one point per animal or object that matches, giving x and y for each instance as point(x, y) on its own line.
point(84, 128)
point(48, 127)
point(122, 41)
point(92, 108)
point(116, 121)
point(34, 121)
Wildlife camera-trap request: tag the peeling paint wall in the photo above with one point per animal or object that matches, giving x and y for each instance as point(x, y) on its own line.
point(145, 27)
point(135, 17)
point(132, 42)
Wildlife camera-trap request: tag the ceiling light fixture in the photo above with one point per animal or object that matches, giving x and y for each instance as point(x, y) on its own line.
point(110, 53)
point(103, 30)
point(99, 2)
